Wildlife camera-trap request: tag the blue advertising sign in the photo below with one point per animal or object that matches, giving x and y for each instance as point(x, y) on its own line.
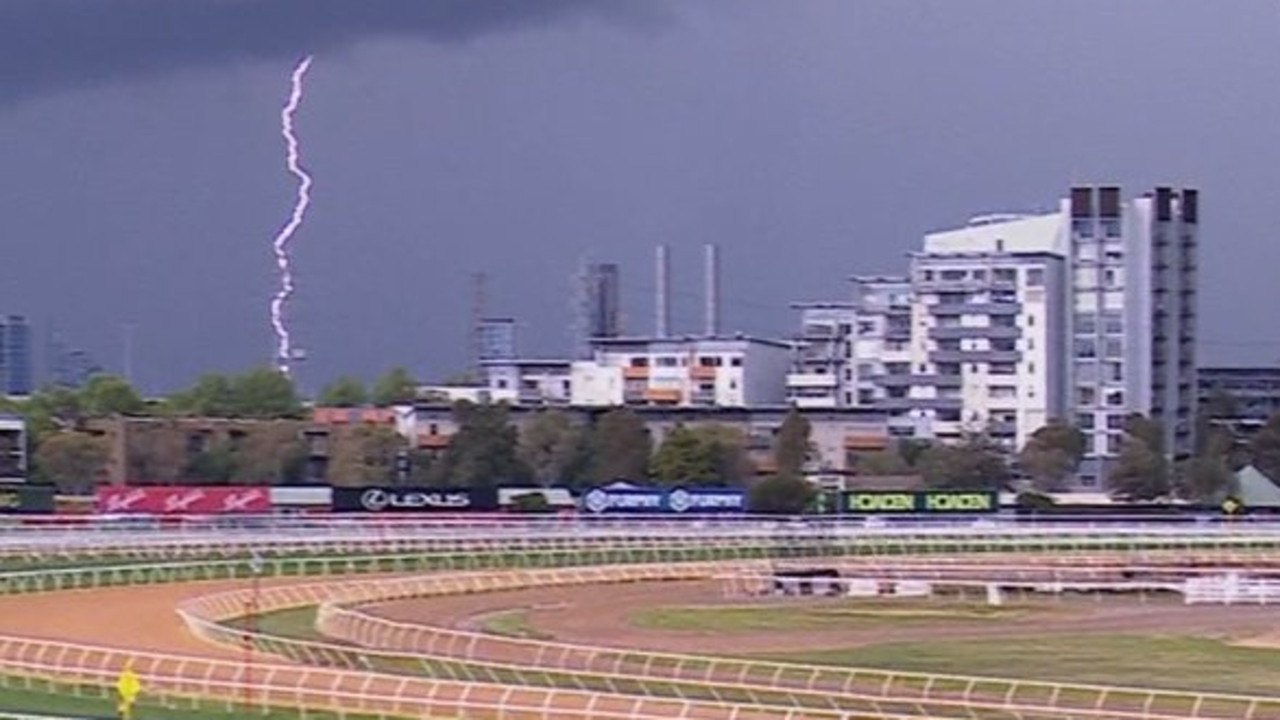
point(689, 501)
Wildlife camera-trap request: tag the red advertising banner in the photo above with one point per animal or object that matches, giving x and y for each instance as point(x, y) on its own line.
point(121, 500)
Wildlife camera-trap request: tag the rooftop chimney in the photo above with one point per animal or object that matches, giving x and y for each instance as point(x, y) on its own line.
point(711, 284)
point(662, 309)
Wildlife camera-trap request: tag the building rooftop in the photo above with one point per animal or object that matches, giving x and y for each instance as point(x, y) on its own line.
point(679, 339)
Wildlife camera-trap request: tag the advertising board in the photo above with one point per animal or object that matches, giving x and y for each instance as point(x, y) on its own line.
point(688, 501)
point(413, 500)
point(176, 500)
point(925, 502)
point(26, 499)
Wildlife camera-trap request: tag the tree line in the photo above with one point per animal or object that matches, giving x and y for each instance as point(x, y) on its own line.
point(555, 447)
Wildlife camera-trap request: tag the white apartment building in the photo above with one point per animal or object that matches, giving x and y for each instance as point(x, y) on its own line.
point(711, 372)
point(822, 376)
point(1086, 314)
point(514, 381)
point(988, 330)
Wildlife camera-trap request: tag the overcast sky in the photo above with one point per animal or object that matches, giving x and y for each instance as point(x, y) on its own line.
point(142, 177)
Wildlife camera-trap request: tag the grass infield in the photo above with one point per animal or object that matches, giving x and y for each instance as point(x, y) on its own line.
point(824, 615)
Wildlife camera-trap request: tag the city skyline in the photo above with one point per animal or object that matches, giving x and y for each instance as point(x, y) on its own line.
point(769, 130)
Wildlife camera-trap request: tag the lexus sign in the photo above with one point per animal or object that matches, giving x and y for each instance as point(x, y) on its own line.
point(407, 500)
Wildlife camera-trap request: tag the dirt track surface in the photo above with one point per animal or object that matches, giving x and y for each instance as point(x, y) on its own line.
point(600, 615)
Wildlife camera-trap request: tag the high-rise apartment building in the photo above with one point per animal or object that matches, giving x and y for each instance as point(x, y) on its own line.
point(821, 376)
point(1086, 314)
point(604, 305)
point(15, 356)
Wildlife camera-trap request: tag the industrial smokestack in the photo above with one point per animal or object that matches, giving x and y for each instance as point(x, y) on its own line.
point(662, 308)
point(711, 285)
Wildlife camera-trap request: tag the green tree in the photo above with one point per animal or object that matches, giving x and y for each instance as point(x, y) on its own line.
point(1264, 449)
point(483, 452)
point(396, 387)
point(71, 460)
point(881, 463)
point(781, 495)
point(265, 392)
point(707, 455)
point(367, 457)
point(682, 458)
point(620, 447)
point(1052, 454)
point(1213, 428)
point(551, 446)
point(107, 395)
point(1204, 478)
point(345, 392)
point(216, 465)
point(972, 464)
point(1142, 470)
point(791, 447)
point(213, 395)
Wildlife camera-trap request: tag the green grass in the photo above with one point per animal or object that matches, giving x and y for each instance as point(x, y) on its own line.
point(1174, 662)
point(82, 701)
point(847, 615)
point(513, 623)
point(296, 624)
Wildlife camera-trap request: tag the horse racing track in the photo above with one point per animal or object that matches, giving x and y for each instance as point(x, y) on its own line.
point(631, 619)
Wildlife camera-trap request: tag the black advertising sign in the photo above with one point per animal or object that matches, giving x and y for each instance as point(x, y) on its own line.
point(27, 500)
point(927, 502)
point(412, 500)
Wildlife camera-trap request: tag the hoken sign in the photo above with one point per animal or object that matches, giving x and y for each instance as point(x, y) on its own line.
point(408, 500)
point(933, 502)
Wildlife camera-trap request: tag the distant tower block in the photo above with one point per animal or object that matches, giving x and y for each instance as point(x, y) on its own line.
point(604, 301)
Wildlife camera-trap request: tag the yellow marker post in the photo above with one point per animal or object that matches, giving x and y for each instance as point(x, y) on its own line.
point(128, 686)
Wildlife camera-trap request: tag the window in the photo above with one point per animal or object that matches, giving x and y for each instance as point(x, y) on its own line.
point(1031, 368)
point(1082, 228)
point(1031, 321)
point(949, 345)
point(1086, 324)
point(979, 274)
point(1003, 369)
point(1031, 343)
point(639, 362)
point(927, 275)
point(1115, 398)
point(668, 361)
point(1035, 277)
point(897, 368)
point(1086, 396)
point(1115, 422)
point(1086, 348)
point(1114, 372)
point(949, 369)
point(1114, 443)
point(1110, 278)
point(1004, 296)
point(1004, 321)
point(1002, 392)
point(1114, 347)
point(1005, 274)
point(1111, 227)
point(949, 415)
point(735, 362)
point(1084, 421)
point(1113, 322)
point(865, 328)
point(1004, 345)
point(953, 275)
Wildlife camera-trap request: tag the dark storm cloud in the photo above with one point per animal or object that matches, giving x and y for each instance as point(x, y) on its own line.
point(50, 45)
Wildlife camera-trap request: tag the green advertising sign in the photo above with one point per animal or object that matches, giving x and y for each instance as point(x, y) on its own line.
point(20, 499)
point(932, 502)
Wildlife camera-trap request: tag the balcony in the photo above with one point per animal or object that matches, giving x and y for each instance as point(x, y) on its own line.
point(433, 441)
point(891, 404)
point(812, 380)
point(635, 373)
point(905, 380)
point(702, 372)
point(663, 396)
point(974, 356)
point(992, 332)
point(952, 309)
point(854, 441)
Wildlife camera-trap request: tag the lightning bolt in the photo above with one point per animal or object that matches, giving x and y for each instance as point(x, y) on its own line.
point(284, 345)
